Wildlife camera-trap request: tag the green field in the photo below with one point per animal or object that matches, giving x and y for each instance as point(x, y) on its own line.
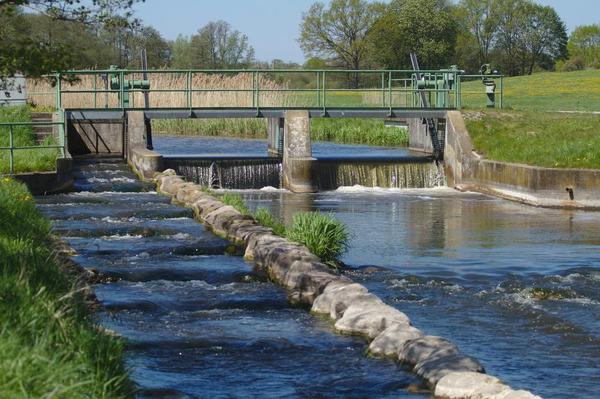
point(547, 91)
point(530, 129)
point(31, 160)
point(50, 346)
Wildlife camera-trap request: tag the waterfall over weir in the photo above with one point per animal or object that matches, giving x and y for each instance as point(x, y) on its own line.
point(230, 173)
point(328, 173)
point(389, 172)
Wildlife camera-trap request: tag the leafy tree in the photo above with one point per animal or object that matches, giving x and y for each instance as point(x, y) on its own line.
point(584, 43)
point(425, 27)
point(181, 56)
point(481, 19)
point(530, 35)
point(339, 32)
point(217, 45)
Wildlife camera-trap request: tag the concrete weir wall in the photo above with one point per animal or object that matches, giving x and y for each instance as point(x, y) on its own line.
point(532, 185)
point(350, 306)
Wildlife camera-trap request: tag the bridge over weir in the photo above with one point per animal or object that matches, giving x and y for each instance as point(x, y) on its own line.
point(110, 111)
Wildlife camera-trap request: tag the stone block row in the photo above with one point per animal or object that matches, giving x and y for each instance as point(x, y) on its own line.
point(352, 308)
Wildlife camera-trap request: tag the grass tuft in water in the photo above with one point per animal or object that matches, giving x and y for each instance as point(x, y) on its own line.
point(235, 200)
point(321, 233)
point(265, 218)
point(49, 344)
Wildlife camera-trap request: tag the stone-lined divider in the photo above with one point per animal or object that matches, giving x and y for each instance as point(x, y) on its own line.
point(354, 310)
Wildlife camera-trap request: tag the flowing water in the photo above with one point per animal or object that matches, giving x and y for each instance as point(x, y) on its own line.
point(201, 323)
point(515, 286)
point(242, 164)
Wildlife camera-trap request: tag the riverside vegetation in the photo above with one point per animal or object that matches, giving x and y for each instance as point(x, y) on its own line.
point(49, 343)
point(30, 160)
point(321, 233)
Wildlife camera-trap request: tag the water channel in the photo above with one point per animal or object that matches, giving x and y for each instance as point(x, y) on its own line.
point(201, 323)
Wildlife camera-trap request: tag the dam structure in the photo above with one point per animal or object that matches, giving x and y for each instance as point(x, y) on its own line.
point(111, 113)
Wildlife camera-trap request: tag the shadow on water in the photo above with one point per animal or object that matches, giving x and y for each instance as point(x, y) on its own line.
point(200, 323)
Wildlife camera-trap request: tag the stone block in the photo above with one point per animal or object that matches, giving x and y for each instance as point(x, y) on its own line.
point(392, 339)
point(428, 347)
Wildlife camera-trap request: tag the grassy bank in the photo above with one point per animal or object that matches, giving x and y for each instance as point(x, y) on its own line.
point(49, 345)
point(31, 160)
point(547, 91)
point(346, 131)
point(536, 138)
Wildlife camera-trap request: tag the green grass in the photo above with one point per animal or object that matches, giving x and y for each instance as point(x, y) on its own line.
point(236, 201)
point(547, 91)
point(347, 131)
point(536, 138)
point(49, 344)
point(265, 218)
point(358, 131)
point(321, 233)
point(33, 160)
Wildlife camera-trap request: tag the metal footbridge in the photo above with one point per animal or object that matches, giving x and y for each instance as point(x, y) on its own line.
point(258, 93)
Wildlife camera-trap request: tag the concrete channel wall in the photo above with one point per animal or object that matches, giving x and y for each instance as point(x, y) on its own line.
point(532, 185)
point(350, 306)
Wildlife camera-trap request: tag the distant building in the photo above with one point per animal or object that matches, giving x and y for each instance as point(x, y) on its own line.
point(13, 91)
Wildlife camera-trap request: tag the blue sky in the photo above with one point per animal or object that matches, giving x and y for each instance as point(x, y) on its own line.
point(272, 26)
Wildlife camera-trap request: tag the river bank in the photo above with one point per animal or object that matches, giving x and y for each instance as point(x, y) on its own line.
point(49, 345)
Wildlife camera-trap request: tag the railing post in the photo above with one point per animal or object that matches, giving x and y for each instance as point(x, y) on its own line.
point(457, 93)
point(253, 89)
point(390, 91)
point(318, 90)
point(62, 132)
point(501, 91)
point(58, 92)
point(324, 92)
point(382, 89)
point(257, 94)
point(121, 89)
point(188, 92)
point(11, 166)
point(95, 91)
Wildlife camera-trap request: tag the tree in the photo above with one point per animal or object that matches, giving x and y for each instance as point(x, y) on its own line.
point(481, 19)
point(529, 35)
point(217, 45)
point(584, 43)
point(424, 27)
point(339, 32)
point(32, 55)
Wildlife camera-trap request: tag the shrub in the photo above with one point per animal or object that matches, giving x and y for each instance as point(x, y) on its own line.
point(323, 235)
point(265, 218)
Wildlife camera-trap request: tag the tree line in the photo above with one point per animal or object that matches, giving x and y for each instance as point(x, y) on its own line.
point(516, 36)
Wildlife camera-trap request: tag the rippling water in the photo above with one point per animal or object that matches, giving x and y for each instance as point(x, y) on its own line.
point(515, 286)
point(199, 323)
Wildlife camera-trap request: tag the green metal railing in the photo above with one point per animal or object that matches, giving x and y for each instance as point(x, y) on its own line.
point(259, 89)
point(10, 127)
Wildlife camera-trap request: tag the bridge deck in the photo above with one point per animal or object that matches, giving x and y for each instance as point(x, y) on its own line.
point(185, 113)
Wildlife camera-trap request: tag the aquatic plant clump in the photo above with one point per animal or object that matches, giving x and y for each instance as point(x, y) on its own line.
point(236, 201)
point(321, 233)
point(49, 346)
point(265, 218)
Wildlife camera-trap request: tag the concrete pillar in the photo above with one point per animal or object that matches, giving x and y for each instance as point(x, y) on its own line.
point(275, 130)
point(145, 161)
point(418, 136)
point(136, 131)
point(297, 153)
